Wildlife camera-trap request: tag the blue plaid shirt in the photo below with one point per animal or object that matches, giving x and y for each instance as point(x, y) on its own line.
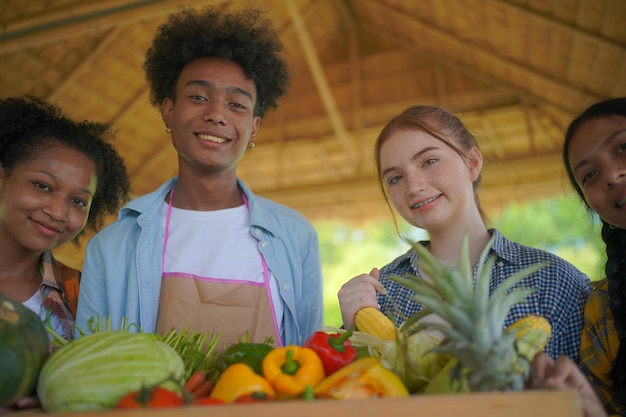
point(561, 291)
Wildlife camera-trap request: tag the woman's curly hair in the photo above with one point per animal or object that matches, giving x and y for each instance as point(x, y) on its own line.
point(615, 240)
point(245, 38)
point(29, 126)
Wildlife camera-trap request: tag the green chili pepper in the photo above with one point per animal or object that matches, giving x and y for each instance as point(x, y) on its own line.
point(251, 354)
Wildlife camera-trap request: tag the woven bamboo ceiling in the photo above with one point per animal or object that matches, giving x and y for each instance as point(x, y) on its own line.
point(516, 71)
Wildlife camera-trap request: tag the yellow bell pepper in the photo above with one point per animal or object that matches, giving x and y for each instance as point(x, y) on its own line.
point(239, 380)
point(291, 369)
point(363, 378)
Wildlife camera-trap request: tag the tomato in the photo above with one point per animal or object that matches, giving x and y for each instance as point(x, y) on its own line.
point(207, 401)
point(157, 397)
point(255, 397)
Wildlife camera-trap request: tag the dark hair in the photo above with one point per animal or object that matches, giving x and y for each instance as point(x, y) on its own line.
point(615, 240)
point(611, 107)
point(30, 126)
point(437, 122)
point(244, 38)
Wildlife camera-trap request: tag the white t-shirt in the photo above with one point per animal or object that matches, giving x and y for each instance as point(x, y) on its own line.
point(216, 244)
point(34, 303)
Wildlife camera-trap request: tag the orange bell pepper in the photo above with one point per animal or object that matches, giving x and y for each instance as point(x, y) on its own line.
point(239, 380)
point(363, 378)
point(291, 369)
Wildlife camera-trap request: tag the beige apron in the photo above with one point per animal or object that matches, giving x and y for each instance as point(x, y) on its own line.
point(216, 304)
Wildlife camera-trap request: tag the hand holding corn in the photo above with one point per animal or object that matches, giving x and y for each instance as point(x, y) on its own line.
point(357, 293)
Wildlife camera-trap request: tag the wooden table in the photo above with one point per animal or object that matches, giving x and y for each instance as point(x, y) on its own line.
point(537, 403)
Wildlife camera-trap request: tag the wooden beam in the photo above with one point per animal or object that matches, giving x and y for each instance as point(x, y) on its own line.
point(84, 19)
point(573, 30)
point(112, 37)
point(354, 62)
point(318, 76)
point(480, 54)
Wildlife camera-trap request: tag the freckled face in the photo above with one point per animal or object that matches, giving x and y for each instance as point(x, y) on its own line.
point(45, 201)
point(597, 155)
point(428, 183)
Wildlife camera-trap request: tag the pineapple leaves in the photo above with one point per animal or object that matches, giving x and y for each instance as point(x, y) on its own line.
point(471, 320)
point(465, 264)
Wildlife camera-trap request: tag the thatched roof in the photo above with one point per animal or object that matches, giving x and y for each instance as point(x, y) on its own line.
point(516, 71)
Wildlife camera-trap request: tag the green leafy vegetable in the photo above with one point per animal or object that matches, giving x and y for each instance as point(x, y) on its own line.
point(197, 349)
point(94, 371)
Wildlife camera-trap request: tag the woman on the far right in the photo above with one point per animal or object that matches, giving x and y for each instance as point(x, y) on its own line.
point(594, 153)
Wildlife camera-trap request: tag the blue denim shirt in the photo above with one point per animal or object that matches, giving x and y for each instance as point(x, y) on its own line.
point(122, 269)
point(561, 291)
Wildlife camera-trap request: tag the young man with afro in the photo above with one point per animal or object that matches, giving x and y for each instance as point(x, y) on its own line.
point(203, 250)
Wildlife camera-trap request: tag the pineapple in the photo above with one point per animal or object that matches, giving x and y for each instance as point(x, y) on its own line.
point(487, 355)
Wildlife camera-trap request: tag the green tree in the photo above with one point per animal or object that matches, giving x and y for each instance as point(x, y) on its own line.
point(349, 250)
point(559, 225)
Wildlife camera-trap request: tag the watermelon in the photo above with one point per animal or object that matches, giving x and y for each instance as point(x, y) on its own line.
point(24, 346)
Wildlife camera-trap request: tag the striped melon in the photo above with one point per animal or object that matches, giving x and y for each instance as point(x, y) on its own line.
point(95, 371)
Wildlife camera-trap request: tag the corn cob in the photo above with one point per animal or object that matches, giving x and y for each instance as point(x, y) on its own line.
point(531, 335)
point(372, 321)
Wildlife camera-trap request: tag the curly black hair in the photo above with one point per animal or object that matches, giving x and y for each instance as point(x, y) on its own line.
point(615, 240)
point(244, 37)
point(29, 126)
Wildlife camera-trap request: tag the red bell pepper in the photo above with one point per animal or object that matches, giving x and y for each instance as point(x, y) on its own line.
point(334, 349)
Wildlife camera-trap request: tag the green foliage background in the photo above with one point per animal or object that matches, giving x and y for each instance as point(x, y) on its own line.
point(559, 225)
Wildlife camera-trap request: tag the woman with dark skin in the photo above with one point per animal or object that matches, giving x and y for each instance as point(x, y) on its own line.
point(595, 160)
point(57, 177)
point(563, 373)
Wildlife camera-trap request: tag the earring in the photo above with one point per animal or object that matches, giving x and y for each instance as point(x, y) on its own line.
point(250, 145)
point(611, 226)
point(168, 130)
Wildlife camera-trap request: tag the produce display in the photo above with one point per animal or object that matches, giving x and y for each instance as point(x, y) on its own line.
point(470, 351)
